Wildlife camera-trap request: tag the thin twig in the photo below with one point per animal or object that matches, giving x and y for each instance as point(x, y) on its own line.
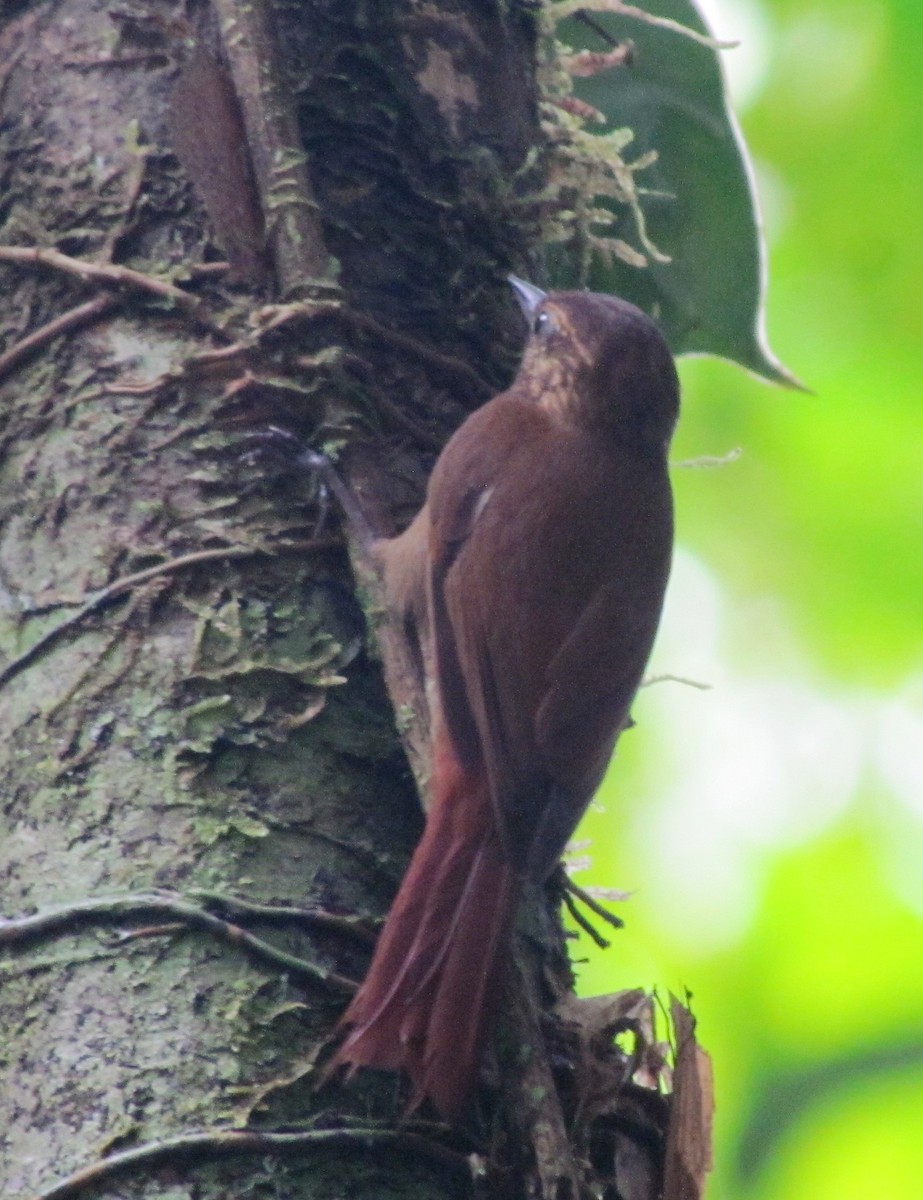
point(195, 365)
point(233, 906)
point(114, 276)
point(127, 582)
point(119, 587)
point(570, 8)
point(693, 683)
point(14, 931)
point(585, 19)
point(82, 314)
point(229, 1143)
point(445, 362)
point(392, 412)
point(707, 461)
point(107, 595)
point(218, 356)
point(208, 270)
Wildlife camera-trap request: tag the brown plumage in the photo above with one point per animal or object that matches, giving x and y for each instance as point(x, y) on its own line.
point(535, 575)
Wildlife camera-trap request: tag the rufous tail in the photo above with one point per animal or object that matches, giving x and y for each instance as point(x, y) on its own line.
point(425, 1001)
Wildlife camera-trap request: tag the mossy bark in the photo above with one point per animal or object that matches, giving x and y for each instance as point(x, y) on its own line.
point(221, 724)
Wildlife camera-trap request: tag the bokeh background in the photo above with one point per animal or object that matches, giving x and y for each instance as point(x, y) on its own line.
point(770, 828)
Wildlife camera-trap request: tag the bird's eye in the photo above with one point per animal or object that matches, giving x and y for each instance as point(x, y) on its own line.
point(542, 323)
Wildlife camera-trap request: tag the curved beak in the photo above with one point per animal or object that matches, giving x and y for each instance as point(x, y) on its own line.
point(528, 295)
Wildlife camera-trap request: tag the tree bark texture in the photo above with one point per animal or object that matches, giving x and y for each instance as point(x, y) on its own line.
point(195, 730)
point(189, 701)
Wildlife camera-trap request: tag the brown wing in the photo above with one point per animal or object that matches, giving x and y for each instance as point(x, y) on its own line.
point(591, 685)
point(464, 610)
point(535, 570)
point(592, 680)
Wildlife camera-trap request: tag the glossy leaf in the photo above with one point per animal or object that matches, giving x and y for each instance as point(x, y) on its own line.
point(700, 204)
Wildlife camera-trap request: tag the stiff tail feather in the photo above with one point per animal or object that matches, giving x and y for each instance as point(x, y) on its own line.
point(424, 1004)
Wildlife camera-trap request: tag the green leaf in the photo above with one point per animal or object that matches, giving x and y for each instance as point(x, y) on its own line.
point(701, 207)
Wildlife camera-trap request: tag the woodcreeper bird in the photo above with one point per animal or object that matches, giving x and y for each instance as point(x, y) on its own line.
point(535, 575)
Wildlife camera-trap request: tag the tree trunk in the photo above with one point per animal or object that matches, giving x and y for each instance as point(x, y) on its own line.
point(189, 701)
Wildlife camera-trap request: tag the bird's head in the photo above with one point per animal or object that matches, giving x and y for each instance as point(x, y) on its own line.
point(597, 358)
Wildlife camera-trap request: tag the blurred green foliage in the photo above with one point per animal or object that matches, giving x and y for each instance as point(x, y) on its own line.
point(772, 828)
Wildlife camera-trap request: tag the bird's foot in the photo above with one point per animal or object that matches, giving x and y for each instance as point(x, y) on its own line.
point(573, 896)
